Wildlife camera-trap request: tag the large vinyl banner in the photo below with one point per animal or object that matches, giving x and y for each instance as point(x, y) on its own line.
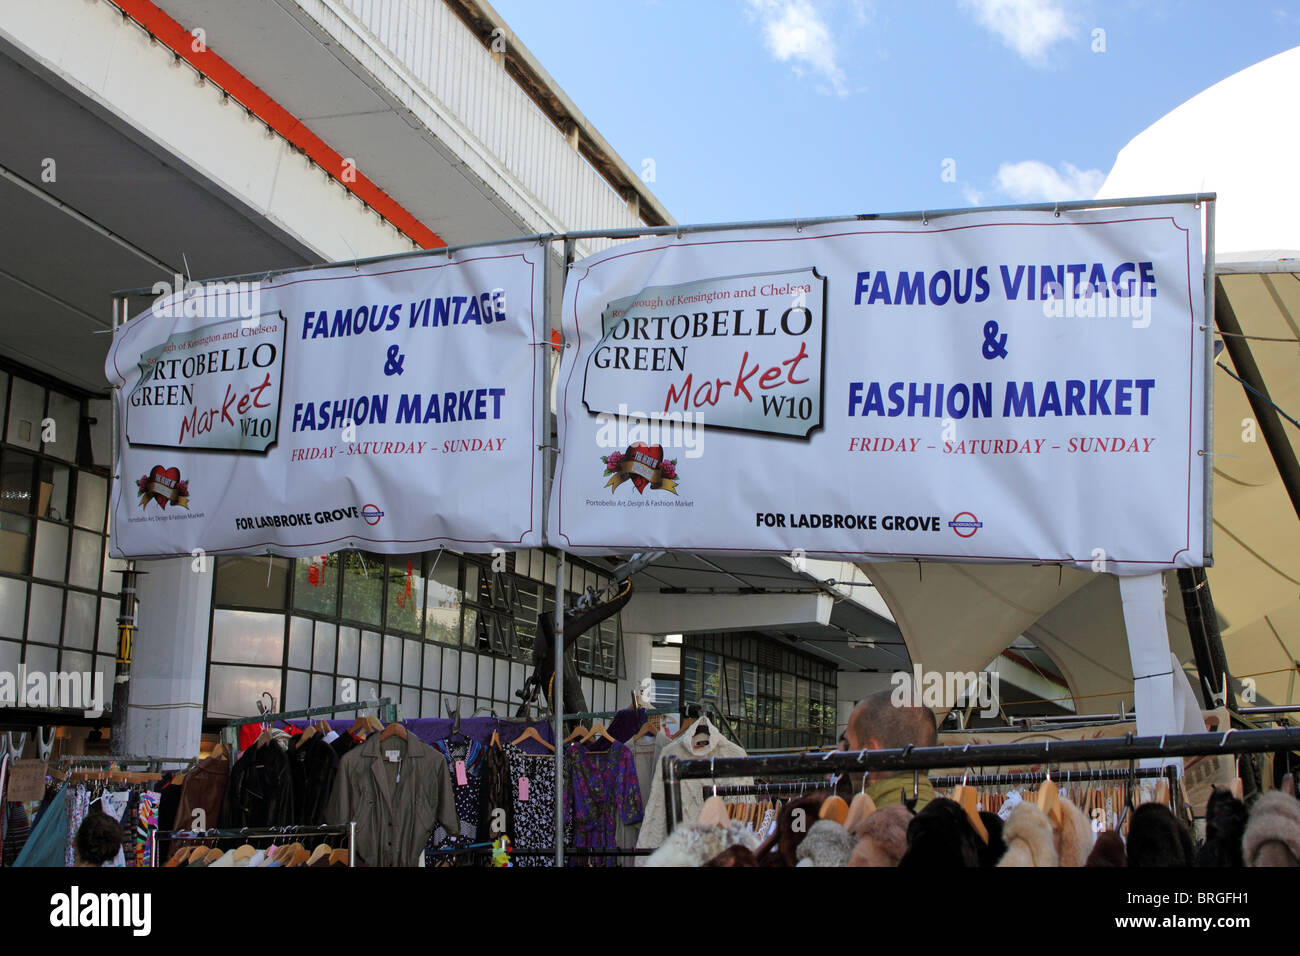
point(1003, 386)
point(393, 406)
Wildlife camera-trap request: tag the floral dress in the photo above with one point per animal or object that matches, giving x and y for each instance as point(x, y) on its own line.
point(603, 789)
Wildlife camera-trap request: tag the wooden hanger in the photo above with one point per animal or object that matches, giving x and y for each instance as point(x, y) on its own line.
point(218, 749)
point(395, 729)
point(323, 849)
point(530, 733)
point(1236, 788)
point(580, 734)
point(305, 735)
point(360, 727)
point(713, 813)
point(1049, 801)
point(495, 740)
point(245, 852)
point(861, 808)
point(969, 800)
point(1162, 791)
point(598, 730)
point(648, 729)
point(834, 808)
point(1288, 785)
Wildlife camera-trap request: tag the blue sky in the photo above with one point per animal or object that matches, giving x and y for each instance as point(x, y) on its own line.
point(767, 109)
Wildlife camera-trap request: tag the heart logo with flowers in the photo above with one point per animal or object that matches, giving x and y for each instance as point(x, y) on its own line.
point(163, 485)
point(644, 465)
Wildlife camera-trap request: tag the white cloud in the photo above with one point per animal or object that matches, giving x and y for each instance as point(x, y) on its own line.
point(973, 196)
point(1032, 181)
point(1030, 27)
point(795, 32)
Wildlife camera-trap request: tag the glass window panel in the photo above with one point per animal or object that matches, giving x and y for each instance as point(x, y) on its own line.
point(449, 683)
point(468, 674)
point(79, 662)
point(55, 481)
point(471, 581)
point(327, 638)
point(429, 704)
point(38, 658)
point(528, 604)
point(411, 663)
point(316, 584)
point(11, 655)
point(470, 627)
point(322, 690)
point(410, 700)
point(66, 413)
point(405, 593)
point(247, 637)
point(92, 501)
point(363, 587)
point(523, 561)
point(45, 619)
point(51, 551)
point(370, 655)
point(443, 599)
point(13, 607)
point(501, 680)
point(431, 672)
point(112, 583)
point(297, 690)
point(26, 409)
point(87, 552)
point(300, 629)
point(252, 582)
point(107, 626)
point(392, 659)
point(15, 543)
point(16, 475)
point(235, 691)
point(518, 674)
point(665, 659)
point(80, 620)
point(349, 649)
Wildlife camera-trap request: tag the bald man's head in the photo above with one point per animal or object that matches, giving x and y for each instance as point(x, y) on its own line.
point(877, 724)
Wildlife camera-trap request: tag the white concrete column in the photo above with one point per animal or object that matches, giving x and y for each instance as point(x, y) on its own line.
point(169, 661)
point(1143, 598)
point(636, 664)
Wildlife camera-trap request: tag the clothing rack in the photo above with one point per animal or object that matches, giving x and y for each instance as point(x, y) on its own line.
point(603, 714)
point(385, 707)
point(1130, 747)
point(151, 763)
point(249, 834)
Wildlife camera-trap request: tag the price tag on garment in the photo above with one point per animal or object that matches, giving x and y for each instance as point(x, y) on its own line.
point(26, 781)
point(523, 788)
point(461, 778)
point(392, 756)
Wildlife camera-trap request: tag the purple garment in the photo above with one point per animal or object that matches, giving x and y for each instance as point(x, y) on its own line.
point(625, 723)
point(603, 789)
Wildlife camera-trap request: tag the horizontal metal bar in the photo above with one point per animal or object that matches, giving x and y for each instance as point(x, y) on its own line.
point(390, 257)
point(1272, 709)
point(1048, 752)
point(256, 833)
point(587, 715)
point(922, 214)
point(310, 712)
point(635, 232)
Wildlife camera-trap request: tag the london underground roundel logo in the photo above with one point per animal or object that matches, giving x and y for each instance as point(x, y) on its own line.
point(965, 524)
point(371, 514)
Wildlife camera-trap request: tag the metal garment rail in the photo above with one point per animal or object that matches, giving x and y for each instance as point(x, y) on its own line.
point(248, 834)
point(792, 788)
point(675, 770)
point(384, 705)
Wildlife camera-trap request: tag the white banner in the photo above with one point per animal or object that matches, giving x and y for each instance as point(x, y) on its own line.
point(1003, 387)
point(392, 407)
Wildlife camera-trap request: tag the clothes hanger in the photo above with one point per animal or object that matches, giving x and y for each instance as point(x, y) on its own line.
point(579, 734)
point(1049, 801)
point(530, 733)
point(968, 798)
point(395, 729)
point(598, 730)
